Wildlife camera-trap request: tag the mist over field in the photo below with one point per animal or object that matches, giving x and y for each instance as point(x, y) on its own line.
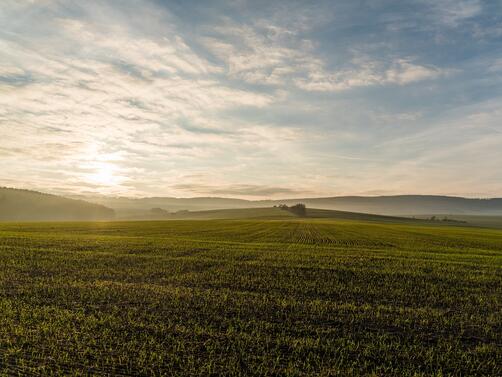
point(24, 205)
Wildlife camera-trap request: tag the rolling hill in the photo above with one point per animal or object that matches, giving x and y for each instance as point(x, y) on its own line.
point(401, 205)
point(18, 204)
point(25, 205)
point(275, 213)
point(268, 213)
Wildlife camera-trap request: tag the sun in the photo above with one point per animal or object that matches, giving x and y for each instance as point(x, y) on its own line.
point(104, 174)
point(102, 170)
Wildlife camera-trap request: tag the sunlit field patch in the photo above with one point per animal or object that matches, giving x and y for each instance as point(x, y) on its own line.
point(255, 297)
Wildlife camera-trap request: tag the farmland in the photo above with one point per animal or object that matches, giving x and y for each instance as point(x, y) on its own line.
point(283, 296)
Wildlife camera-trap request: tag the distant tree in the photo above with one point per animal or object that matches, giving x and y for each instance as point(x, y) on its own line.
point(299, 209)
point(159, 212)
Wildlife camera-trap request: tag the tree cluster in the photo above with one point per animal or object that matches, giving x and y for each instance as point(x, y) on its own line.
point(298, 209)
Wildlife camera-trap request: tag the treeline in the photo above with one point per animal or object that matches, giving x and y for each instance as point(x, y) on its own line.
point(298, 209)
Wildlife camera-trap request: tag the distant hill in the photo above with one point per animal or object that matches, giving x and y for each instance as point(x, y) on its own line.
point(269, 213)
point(406, 204)
point(276, 213)
point(400, 205)
point(358, 216)
point(25, 205)
point(136, 206)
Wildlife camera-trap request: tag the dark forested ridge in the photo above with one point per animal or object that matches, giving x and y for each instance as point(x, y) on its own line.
point(26, 205)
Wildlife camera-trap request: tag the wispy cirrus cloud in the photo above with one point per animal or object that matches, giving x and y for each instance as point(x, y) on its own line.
point(367, 73)
point(277, 56)
point(114, 89)
point(140, 98)
point(454, 12)
point(238, 190)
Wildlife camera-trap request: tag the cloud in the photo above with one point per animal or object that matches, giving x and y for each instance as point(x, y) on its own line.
point(272, 55)
point(132, 98)
point(10, 71)
point(256, 54)
point(366, 73)
point(496, 66)
point(454, 12)
point(396, 117)
point(108, 88)
point(238, 190)
point(168, 55)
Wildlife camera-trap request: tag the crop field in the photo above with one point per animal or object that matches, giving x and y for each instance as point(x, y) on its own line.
point(283, 297)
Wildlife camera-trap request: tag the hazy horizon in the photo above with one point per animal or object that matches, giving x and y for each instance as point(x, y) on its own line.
point(285, 197)
point(251, 99)
point(85, 196)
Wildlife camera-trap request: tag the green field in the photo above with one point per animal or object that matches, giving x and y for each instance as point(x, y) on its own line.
point(250, 297)
point(277, 213)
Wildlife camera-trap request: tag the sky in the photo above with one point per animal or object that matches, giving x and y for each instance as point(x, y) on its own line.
point(251, 99)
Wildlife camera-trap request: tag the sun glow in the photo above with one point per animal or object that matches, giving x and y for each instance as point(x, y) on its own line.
point(102, 169)
point(105, 174)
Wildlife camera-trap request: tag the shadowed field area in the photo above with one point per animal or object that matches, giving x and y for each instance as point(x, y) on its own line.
point(250, 297)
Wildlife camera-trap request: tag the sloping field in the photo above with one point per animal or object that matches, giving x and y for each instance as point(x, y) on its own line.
point(343, 215)
point(250, 297)
point(237, 213)
point(469, 220)
point(271, 213)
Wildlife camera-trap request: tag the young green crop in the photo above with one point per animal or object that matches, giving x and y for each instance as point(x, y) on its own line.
point(255, 297)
